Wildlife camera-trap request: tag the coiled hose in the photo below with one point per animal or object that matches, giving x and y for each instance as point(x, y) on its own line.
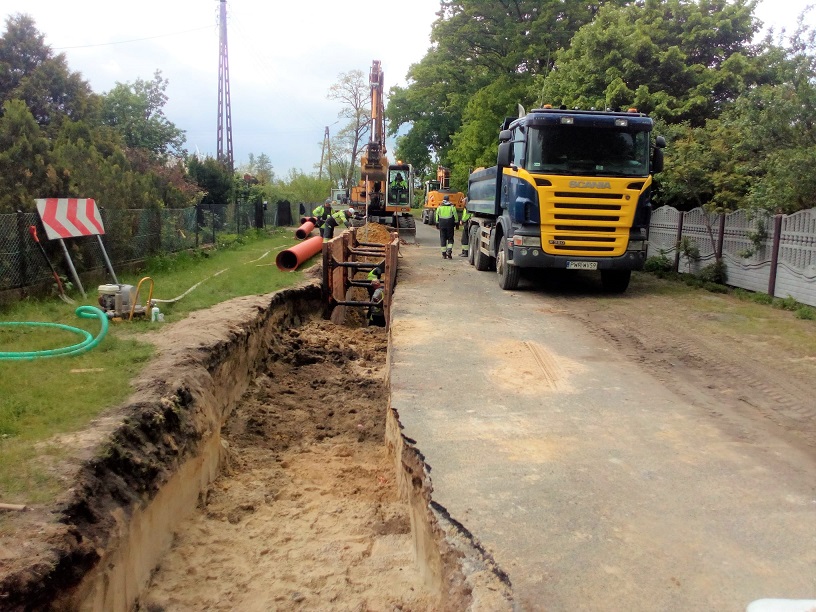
point(85, 312)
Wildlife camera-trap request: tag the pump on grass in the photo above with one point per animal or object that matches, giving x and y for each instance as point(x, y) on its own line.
point(121, 302)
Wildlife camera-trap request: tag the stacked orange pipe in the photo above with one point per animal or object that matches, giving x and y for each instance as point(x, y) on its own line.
point(292, 257)
point(304, 230)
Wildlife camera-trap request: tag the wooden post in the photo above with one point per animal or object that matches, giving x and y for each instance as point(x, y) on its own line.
point(775, 254)
point(721, 237)
point(676, 267)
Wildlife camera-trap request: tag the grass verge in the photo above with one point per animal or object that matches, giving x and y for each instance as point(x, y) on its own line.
point(43, 398)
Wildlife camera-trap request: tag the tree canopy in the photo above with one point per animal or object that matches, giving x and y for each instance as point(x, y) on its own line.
point(737, 113)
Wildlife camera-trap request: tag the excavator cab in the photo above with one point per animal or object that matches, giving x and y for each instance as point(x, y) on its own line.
point(400, 198)
point(398, 189)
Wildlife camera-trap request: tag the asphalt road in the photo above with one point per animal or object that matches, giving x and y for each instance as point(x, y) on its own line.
point(592, 485)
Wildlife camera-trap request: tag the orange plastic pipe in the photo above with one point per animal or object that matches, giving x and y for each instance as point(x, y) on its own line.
point(304, 230)
point(292, 257)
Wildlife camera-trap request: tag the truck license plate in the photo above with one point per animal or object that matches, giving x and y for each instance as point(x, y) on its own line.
point(582, 265)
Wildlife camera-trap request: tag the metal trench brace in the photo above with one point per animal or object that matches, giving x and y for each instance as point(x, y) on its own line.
point(363, 249)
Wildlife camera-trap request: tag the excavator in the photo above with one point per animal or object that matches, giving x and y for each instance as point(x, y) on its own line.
point(436, 190)
point(385, 191)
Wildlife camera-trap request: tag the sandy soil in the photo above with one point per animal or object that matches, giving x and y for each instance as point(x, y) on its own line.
point(307, 515)
point(703, 347)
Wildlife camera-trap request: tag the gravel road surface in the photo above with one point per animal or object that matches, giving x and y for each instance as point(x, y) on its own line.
point(610, 452)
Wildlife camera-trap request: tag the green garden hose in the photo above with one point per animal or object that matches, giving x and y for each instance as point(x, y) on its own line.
point(85, 312)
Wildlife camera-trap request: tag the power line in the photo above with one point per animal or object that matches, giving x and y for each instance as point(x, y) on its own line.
point(122, 42)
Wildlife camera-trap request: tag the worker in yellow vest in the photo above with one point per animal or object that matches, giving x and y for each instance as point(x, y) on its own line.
point(466, 215)
point(446, 222)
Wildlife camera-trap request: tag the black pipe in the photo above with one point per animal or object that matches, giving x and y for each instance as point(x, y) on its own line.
point(355, 264)
point(374, 244)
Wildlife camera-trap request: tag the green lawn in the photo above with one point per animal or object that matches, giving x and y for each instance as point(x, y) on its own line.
point(43, 397)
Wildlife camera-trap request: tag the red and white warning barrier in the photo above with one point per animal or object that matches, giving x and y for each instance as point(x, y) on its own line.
point(70, 217)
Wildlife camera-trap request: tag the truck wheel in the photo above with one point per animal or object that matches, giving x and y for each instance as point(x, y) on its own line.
point(508, 273)
point(480, 260)
point(615, 281)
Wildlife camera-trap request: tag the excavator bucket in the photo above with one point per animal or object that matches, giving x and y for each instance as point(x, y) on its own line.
point(406, 227)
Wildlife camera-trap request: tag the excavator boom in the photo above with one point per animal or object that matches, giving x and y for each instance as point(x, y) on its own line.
point(385, 191)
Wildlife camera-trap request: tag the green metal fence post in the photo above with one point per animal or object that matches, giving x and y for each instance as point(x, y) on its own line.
point(21, 232)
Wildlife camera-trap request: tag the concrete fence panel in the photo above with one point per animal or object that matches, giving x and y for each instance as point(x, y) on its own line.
point(796, 270)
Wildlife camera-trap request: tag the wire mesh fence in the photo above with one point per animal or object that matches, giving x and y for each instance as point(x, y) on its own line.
point(130, 236)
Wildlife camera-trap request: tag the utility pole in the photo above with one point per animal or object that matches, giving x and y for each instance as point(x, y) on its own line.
point(325, 154)
point(224, 107)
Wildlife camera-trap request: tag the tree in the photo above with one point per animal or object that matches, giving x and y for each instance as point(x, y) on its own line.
point(352, 91)
point(473, 44)
point(26, 171)
point(753, 155)
point(213, 178)
point(30, 72)
point(475, 144)
point(260, 167)
point(678, 60)
point(302, 187)
point(136, 111)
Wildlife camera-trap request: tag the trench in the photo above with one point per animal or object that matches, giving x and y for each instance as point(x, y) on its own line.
point(274, 476)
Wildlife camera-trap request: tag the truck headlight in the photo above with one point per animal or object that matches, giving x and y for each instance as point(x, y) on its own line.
point(528, 241)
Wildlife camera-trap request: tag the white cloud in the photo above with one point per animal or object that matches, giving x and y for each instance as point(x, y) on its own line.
point(283, 57)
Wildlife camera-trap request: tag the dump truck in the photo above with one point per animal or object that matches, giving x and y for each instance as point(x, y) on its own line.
point(385, 193)
point(435, 191)
point(571, 190)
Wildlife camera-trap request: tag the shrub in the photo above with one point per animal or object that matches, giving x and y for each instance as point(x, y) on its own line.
point(762, 298)
point(806, 312)
point(787, 303)
point(714, 287)
point(658, 263)
point(714, 273)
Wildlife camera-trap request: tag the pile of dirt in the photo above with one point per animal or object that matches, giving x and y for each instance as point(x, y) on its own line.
point(375, 233)
point(308, 515)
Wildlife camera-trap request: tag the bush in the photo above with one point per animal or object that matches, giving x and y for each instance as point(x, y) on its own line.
point(787, 303)
point(657, 264)
point(714, 287)
point(806, 312)
point(714, 273)
point(762, 298)
point(692, 281)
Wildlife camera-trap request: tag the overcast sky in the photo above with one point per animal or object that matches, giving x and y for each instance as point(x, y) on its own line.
point(283, 57)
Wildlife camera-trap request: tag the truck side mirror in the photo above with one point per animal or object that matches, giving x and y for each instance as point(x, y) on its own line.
point(505, 136)
point(504, 155)
point(657, 155)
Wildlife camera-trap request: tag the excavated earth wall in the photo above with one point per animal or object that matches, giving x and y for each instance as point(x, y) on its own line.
point(141, 472)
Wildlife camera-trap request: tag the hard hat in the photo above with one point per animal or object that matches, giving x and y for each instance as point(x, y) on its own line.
point(351, 211)
point(328, 200)
point(446, 198)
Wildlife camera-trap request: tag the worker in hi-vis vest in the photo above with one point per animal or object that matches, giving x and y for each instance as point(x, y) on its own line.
point(335, 219)
point(466, 215)
point(446, 222)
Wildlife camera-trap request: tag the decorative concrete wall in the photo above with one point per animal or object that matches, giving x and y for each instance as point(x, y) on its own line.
point(774, 254)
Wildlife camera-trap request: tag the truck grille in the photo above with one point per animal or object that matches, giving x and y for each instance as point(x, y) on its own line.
point(587, 223)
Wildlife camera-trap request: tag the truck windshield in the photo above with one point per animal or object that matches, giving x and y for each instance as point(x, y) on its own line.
point(575, 150)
